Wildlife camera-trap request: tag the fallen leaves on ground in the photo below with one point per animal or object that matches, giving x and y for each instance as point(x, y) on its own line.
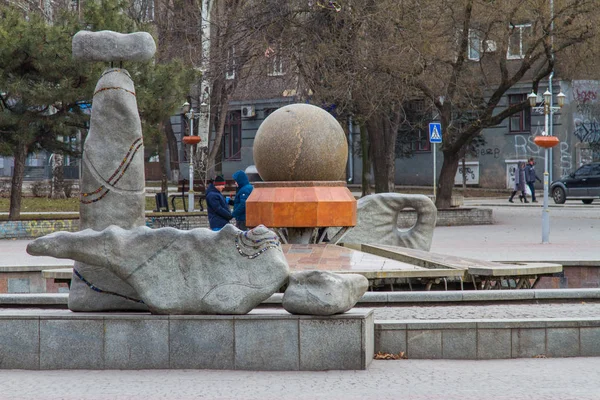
point(389, 356)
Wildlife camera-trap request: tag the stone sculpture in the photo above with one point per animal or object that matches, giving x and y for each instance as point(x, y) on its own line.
point(323, 293)
point(112, 181)
point(309, 144)
point(180, 272)
point(377, 221)
point(113, 46)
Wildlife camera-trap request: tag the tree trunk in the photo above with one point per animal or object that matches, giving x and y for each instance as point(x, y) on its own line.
point(171, 142)
point(58, 180)
point(366, 161)
point(382, 139)
point(446, 181)
point(16, 189)
point(223, 109)
point(464, 175)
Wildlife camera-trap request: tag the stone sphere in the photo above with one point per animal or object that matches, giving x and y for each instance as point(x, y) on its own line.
point(300, 142)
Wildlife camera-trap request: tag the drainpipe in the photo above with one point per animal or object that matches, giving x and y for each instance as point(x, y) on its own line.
point(551, 127)
point(350, 165)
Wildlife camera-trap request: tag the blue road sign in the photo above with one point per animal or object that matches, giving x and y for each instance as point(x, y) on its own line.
point(435, 132)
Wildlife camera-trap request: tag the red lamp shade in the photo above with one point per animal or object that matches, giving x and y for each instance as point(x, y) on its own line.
point(546, 141)
point(191, 140)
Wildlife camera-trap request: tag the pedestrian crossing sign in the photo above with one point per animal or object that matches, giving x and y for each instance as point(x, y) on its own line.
point(435, 132)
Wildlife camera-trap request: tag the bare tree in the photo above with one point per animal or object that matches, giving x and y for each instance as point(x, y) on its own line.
point(471, 52)
point(368, 58)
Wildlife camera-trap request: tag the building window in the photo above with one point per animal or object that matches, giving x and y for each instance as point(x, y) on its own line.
point(517, 41)
point(230, 65)
point(474, 50)
point(521, 121)
point(143, 10)
point(413, 134)
point(268, 111)
point(275, 62)
point(421, 142)
point(232, 136)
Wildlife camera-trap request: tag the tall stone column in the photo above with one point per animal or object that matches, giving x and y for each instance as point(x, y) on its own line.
point(112, 183)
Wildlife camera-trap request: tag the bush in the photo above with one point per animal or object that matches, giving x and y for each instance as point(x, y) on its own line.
point(4, 188)
point(68, 189)
point(40, 189)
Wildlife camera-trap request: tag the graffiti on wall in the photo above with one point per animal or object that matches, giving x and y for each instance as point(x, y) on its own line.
point(566, 159)
point(177, 222)
point(31, 229)
point(489, 151)
point(525, 148)
point(586, 130)
point(587, 111)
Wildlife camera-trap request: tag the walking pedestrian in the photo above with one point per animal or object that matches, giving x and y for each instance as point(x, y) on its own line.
point(519, 183)
point(531, 177)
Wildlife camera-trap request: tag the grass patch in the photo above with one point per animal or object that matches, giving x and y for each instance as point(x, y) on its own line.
point(42, 204)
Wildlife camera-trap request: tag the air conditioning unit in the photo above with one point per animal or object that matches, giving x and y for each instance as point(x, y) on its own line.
point(489, 46)
point(248, 111)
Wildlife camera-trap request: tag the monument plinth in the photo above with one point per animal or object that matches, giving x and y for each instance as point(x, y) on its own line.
point(304, 204)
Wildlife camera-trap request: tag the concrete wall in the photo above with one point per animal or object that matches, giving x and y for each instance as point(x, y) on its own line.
point(28, 229)
point(261, 341)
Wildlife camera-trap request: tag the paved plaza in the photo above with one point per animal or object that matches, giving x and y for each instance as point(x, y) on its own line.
point(575, 232)
point(515, 236)
point(517, 233)
point(527, 379)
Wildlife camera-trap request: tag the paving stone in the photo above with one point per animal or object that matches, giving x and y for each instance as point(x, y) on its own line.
point(562, 342)
point(460, 344)
point(424, 344)
point(268, 345)
point(18, 285)
point(71, 344)
point(590, 342)
point(136, 344)
point(390, 341)
point(19, 344)
point(331, 344)
point(205, 343)
point(493, 343)
point(528, 343)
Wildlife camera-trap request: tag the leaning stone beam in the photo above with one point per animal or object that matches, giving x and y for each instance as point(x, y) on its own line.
point(111, 46)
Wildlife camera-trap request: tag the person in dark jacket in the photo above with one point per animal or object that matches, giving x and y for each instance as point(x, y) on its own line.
point(218, 210)
point(241, 195)
point(519, 183)
point(530, 178)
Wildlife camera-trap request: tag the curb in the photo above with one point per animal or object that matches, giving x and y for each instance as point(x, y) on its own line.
point(41, 299)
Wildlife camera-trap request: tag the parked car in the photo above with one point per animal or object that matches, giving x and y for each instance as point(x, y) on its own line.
point(583, 184)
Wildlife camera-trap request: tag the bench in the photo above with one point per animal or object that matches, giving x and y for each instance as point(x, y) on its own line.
point(199, 192)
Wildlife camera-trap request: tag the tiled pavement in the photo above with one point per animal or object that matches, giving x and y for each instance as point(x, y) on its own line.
point(521, 379)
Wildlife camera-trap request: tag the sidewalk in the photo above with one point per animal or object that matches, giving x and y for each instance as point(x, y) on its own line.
point(519, 379)
point(515, 236)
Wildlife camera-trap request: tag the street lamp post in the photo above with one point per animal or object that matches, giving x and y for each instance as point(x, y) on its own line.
point(191, 140)
point(546, 141)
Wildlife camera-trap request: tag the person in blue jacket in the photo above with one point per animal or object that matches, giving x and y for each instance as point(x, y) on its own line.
point(218, 209)
point(241, 195)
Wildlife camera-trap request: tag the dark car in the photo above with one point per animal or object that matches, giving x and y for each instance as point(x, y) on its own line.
point(583, 184)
